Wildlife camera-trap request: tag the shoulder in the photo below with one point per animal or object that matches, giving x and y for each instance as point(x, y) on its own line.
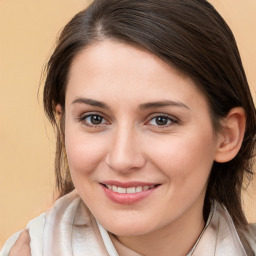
point(35, 228)
point(235, 238)
point(9, 243)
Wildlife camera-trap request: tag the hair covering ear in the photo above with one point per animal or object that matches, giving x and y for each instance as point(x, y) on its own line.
point(58, 111)
point(231, 137)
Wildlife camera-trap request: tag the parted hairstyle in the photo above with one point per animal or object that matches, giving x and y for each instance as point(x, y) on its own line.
point(190, 36)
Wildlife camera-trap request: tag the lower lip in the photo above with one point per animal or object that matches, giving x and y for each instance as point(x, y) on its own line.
point(128, 198)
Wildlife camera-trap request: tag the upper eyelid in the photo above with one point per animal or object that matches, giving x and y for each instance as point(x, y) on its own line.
point(171, 117)
point(173, 121)
point(96, 113)
point(147, 118)
point(83, 118)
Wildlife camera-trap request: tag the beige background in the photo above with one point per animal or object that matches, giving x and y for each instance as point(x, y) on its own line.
point(28, 30)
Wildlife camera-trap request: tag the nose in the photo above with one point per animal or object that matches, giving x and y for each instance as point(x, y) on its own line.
point(125, 154)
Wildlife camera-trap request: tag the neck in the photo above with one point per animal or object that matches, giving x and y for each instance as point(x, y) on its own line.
point(178, 237)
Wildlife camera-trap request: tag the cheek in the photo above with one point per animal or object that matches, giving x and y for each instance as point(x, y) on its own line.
point(186, 157)
point(84, 153)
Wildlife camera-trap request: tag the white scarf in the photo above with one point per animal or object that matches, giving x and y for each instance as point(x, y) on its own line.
point(69, 229)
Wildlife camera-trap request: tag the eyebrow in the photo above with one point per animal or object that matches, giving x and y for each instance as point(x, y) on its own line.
point(91, 102)
point(144, 106)
point(162, 103)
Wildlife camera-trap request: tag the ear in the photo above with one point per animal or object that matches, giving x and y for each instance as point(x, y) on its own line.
point(58, 112)
point(231, 136)
point(58, 116)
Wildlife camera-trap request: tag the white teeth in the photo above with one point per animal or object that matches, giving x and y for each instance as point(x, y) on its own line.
point(145, 188)
point(138, 189)
point(121, 190)
point(130, 190)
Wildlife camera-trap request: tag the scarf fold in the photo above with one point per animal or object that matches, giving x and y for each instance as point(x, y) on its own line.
point(69, 229)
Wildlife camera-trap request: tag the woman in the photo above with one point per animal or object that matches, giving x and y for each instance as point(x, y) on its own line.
point(155, 134)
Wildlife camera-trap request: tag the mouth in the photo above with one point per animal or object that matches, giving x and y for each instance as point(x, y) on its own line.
point(129, 190)
point(128, 193)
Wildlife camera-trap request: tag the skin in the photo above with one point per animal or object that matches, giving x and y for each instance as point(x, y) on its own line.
point(127, 144)
point(130, 146)
point(22, 247)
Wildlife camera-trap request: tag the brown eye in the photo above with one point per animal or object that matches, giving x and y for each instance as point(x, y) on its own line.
point(162, 120)
point(93, 120)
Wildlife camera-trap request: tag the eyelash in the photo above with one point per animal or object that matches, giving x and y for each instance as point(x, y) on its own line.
point(169, 119)
point(84, 117)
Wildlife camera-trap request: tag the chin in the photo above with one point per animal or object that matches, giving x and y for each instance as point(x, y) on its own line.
point(128, 229)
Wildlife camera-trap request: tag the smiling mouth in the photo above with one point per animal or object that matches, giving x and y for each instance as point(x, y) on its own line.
point(128, 190)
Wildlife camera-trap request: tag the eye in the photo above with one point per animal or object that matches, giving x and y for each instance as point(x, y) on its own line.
point(162, 120)
point(93, 120)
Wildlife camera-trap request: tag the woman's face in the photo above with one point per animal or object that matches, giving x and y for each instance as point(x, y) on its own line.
point(139, 139)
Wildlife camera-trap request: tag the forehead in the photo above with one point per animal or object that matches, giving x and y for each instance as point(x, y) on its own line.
point(110, 69)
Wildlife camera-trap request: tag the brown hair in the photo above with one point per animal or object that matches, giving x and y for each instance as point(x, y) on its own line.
point(190, 36)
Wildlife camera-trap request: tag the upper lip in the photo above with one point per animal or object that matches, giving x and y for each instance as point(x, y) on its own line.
point(128, 184)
